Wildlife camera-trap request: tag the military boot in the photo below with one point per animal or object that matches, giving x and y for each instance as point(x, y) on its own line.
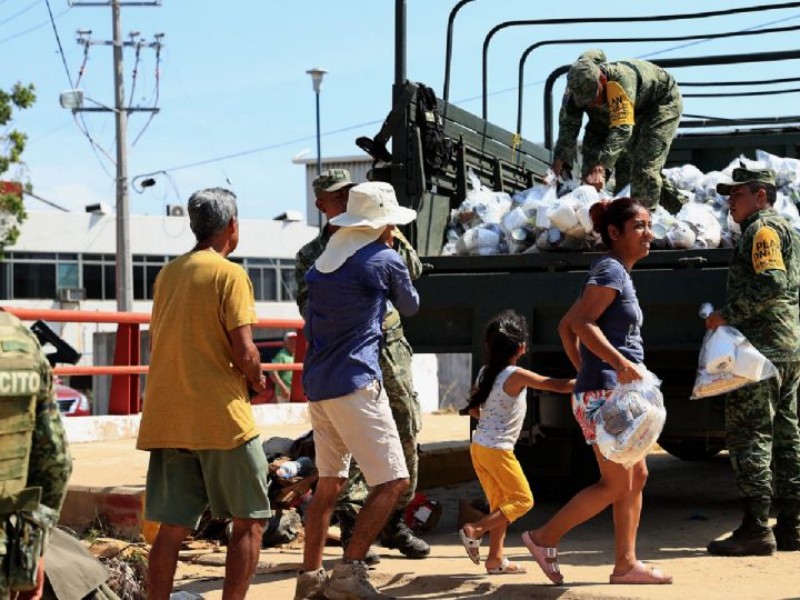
point(787, 529)
point(396, 534)
point(347, 524)
point(753, 537)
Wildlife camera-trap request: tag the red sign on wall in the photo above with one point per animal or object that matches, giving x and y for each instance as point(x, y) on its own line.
point(11, 187)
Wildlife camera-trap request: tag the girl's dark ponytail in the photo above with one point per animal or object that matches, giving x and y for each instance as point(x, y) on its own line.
point(504, 335)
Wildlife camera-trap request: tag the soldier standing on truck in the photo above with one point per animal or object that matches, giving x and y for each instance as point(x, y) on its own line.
point(634, 109)
point(761, 419)
point(331, 189)
point(35, 459)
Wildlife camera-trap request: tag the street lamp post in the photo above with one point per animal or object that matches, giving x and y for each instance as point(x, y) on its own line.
point(316, 79)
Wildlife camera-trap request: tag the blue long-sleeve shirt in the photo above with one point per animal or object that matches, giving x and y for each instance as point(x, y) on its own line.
point(343, 319)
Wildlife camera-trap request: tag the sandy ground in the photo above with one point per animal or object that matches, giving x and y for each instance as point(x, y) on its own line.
point(686, 505)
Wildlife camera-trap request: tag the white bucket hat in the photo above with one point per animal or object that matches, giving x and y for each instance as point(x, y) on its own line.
point(373, 204)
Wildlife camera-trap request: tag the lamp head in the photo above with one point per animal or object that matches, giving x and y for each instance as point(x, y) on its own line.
point(316, 77)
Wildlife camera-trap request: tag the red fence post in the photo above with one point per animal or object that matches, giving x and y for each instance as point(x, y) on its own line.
point(124, 398)
point(297, 393)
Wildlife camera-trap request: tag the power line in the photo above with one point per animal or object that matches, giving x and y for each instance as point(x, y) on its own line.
point(261, 149)
point(35, 27)
point(23, 11)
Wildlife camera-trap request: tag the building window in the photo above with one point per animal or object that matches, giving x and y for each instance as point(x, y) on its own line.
point(68, 275)
point(34, 280)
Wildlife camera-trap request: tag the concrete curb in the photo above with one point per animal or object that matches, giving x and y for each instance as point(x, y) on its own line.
point(108, 428)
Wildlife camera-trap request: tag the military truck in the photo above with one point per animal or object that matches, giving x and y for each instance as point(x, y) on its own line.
point(459, 294)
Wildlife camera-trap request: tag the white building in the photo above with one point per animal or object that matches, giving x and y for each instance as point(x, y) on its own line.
point(67, 260)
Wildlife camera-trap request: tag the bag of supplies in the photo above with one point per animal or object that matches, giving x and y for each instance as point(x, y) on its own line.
point(727, 362)
point(630, 421)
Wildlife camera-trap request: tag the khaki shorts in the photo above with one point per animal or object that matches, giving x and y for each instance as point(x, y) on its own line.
point(358, 425)
point(181, 484)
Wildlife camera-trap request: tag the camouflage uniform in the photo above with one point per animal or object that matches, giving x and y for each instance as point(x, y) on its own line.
point(395, 363)
point(630, 132)
point(761, 419)
point(49, 464)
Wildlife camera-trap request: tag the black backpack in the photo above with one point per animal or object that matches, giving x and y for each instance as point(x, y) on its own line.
point(437, 149)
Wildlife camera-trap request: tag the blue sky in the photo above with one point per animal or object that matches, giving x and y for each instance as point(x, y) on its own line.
point(234, 82)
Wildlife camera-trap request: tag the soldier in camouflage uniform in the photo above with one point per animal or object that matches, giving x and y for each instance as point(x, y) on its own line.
point(634, 108)
point(761, 418)
point(331, 189)
point(35, 464)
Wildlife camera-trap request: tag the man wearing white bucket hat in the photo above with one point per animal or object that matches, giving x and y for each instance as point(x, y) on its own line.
point(331, 189)
point(348, 289)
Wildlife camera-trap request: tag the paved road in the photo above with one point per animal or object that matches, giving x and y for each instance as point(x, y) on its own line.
point(686, 505)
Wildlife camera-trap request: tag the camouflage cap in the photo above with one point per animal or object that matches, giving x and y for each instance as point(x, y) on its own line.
point(744, 175)
point(596, 55)
point(582, 81)
point(331, 181)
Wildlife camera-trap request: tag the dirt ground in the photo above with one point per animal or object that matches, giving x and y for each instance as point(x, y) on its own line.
point(686, 505)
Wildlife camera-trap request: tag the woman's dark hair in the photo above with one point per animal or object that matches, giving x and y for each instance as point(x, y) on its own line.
point(615, 212)
point(505, 333)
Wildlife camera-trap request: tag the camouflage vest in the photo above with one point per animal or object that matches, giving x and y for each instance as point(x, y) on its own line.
point(20, 381)
point(24, 520)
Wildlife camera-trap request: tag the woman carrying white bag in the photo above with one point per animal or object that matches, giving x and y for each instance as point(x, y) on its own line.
point(601, 334)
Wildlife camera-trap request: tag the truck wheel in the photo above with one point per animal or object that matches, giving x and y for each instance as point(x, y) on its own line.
point(693, 450)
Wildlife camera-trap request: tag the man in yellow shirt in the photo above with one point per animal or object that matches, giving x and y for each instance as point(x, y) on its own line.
point(197, 421)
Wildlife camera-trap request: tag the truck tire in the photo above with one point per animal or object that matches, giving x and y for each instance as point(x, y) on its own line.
point(693, 450)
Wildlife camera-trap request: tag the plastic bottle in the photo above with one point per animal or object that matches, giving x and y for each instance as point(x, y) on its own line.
point(294, 468)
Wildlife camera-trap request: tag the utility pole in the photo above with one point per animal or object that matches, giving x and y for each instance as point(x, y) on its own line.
point(124, 262)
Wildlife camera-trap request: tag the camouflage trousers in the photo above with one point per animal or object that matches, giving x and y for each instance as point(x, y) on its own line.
point(763, 437)
point(395, 363)
point(641, 162)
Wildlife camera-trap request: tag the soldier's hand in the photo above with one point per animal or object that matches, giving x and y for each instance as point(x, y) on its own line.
point(597, 177)
point(715, 319)
point(558, 166)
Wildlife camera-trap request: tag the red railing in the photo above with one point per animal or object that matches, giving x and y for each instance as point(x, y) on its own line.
point(125, 395)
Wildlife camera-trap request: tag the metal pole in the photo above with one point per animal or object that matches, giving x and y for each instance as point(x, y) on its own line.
point(319, 158)
point(399, 44)
point(124, 268)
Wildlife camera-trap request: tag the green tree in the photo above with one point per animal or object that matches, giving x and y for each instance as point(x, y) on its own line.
point(12, 143)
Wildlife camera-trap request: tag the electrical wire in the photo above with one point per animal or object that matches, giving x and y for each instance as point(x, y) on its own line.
point(23, 11)
point(157, 94)
point(82, 127)
point(261, 149)
point(35, 27)
point(135, 71)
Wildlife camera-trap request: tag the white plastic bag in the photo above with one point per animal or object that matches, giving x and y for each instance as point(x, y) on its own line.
point(716, 374)
point(630, 421)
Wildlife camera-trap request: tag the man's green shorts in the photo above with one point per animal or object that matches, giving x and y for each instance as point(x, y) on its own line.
point(181, 484)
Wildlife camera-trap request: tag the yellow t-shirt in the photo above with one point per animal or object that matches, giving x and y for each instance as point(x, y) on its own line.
point(195, 398)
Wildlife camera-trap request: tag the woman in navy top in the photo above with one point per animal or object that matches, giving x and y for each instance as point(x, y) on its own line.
point(601, 334)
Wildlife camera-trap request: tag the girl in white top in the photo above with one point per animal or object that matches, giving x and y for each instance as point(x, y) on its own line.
point(498, 402)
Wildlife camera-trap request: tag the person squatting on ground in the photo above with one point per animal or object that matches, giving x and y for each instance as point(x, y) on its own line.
point(634, 108)
point(283, 379)
point(36, 463)
point(197, 421)
point(761, 418)
point(348, 290)
point(601, 334)
point(331, 189)
point(498, 402)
